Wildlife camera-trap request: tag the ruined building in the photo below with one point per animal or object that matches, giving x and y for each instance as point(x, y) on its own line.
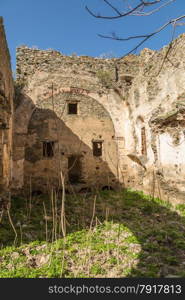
point(6, 113)
point(99, 123)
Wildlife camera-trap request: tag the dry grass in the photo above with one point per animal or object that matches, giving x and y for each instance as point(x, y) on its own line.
point(107, 235)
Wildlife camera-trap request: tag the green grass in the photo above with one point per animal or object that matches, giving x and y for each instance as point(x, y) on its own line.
point(132, 235)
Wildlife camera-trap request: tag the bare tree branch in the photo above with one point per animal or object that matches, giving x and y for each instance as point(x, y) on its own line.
point(139, 9)
point(140, 13)
point(120, 15)
point(145, 36)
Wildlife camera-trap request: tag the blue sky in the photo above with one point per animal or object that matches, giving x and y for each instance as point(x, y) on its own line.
point(65, 25)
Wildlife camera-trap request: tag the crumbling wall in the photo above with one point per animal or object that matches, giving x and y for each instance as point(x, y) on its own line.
point(22, 116)
point(6, 110)
point(51, 82)
point(108, 81)
point(71, 135)
point(133, 91)
point(169, 131)
point(157, 93)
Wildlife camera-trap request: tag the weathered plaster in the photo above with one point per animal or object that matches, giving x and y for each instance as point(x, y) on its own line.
point(117, 99)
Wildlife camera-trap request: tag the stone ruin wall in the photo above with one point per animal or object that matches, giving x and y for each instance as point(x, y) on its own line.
point(6, 111)
point(143, 96)
point(157, 104)
point(74, 134)
point(71, 137)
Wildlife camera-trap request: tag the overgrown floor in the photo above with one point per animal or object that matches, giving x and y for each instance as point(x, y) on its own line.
point(110, 234)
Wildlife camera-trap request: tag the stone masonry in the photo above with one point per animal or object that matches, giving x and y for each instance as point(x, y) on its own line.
point(100, 123)
point(6, 112)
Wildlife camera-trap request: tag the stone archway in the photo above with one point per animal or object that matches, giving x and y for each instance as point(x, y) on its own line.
point(117, 109)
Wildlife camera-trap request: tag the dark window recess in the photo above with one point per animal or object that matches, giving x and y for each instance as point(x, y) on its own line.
point(116, 74)
point(4, 126)
point(143, 141)
point(107, 188)
point(48, 149)
point(74, 169)
point(97, 148)
point(72, 108)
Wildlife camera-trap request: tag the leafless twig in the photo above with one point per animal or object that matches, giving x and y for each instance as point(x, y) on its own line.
point(141, 8)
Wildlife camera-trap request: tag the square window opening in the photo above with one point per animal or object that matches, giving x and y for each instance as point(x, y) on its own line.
point(48, 149)
point(97, 148)
point(72, 108)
